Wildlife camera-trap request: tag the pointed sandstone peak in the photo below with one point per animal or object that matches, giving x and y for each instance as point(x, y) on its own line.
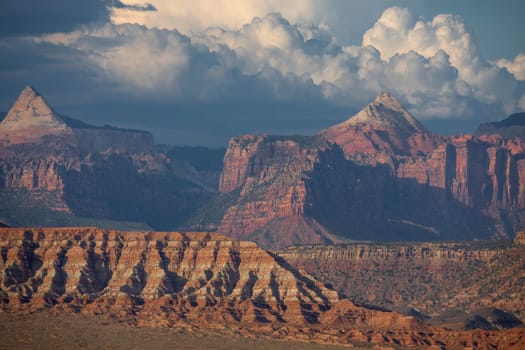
point(388, 100)
point(386, 112)
point(32, 111)
point(30, 119)
point(381, 130)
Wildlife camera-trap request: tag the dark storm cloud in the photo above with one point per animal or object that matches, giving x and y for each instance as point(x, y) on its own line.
point(120, 5)
point(30, 17)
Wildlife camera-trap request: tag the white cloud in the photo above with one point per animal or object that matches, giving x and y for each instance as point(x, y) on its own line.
point(433, 66)
point(397, 32)
point(132, 54)
point(516, 67)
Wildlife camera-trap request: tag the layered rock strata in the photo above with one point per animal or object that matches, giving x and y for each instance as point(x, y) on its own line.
point(200, 280)
point(380, 175)
point(55, 169)
point(428, 277)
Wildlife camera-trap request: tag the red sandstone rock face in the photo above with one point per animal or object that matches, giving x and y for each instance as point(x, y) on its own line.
point(196, 280)
point(238, 162)
point(50, 164)
point(35, 175)
point(395, 182)
point(267, 173)
point(480, 172)
point(380, 132)
point(485, 172)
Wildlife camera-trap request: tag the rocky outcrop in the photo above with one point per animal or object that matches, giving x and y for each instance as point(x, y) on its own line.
point(380, 132)
point(485, 172)
point(380, 175)
point(34, 175)
point(430, 278)
point(265, 175)
point(292, 190)
point(51, 164)
point(185, 280)
point(131, 269)
point(30, 119)
point(238, 162)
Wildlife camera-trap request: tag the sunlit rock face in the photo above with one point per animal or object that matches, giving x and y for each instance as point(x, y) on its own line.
point(382, 131)
point(380, 175)
point(129, 271)
point(199, 280)
point(30, 119)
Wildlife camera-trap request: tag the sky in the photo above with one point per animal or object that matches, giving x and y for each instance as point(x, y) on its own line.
point(199, 72)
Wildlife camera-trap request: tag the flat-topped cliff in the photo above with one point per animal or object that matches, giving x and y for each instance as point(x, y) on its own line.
point(431, 278)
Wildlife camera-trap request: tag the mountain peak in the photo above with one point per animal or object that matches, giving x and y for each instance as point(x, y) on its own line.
point(387, 99)
point(386, 112)
point(30, 118)
point(383, 128)
point(29, 91)
point(31, 111)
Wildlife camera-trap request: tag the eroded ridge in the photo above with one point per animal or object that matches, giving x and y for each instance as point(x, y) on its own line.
point(203, 280)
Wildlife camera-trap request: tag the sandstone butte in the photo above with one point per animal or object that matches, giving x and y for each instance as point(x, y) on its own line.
point(380, 175)
point(203, 280)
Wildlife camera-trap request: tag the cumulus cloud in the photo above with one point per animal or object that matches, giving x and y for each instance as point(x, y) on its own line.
point(255, 64)
point(397, 32)
point(134, 55)
point(516, 67)
point(432, 66)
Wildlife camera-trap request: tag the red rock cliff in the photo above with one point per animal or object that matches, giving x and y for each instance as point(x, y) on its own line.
point(183, 280)
point(267, 171)
point(485, 172)
point(394, 180)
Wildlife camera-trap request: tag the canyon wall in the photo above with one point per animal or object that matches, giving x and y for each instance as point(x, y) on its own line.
point(56, 170)
point(265, 174)
point(377, 176)
point(430, 278)
point(486, 173)
point(287, 190)
point(199, 280)
point(141, 187)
